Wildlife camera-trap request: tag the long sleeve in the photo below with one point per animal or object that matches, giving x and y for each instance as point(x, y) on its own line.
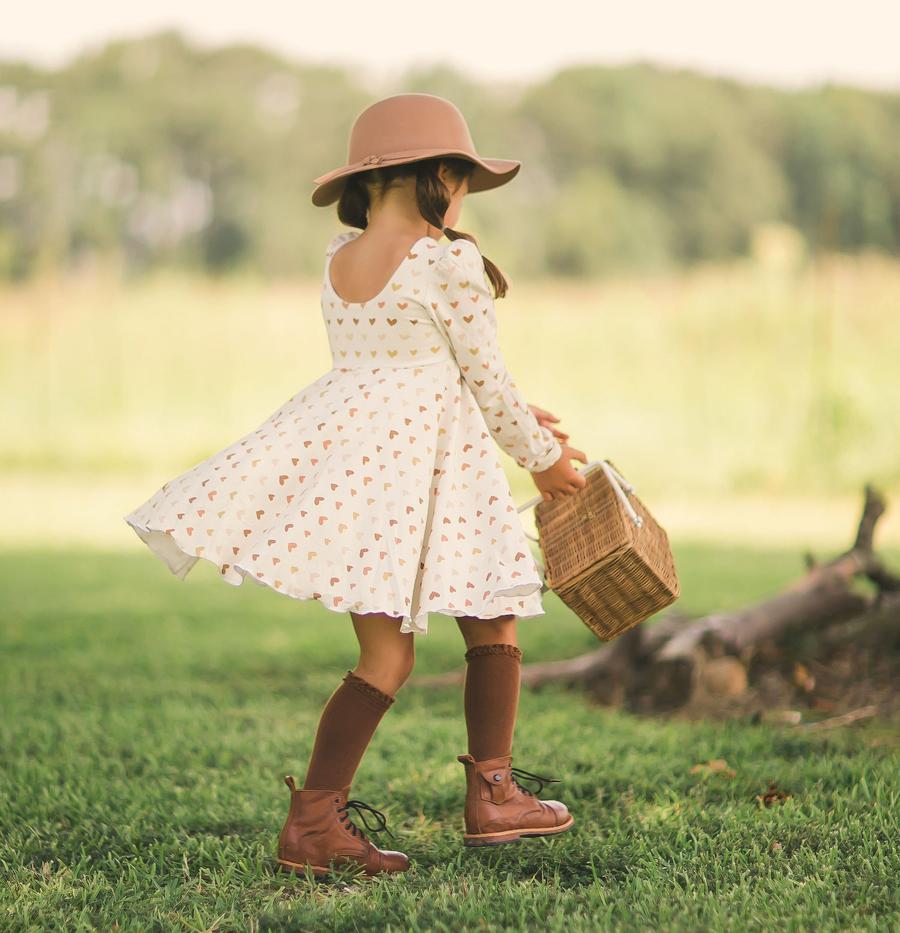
point(462, 305)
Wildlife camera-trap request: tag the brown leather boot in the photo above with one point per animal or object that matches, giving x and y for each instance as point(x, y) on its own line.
point(498, 809)
point(318, 832)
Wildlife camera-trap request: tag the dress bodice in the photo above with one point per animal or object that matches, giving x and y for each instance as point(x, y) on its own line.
point(393, 328)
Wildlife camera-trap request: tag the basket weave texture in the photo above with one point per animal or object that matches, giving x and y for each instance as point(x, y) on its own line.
point(610, 572)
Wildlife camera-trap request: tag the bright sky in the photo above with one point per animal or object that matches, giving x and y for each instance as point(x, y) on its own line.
point(788, 42)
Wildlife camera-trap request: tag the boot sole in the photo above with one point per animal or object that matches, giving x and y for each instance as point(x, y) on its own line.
point(514, 835)
point(319, 871)
point(299, 869)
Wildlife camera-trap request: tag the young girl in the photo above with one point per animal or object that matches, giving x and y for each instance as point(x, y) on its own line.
point(378, 490)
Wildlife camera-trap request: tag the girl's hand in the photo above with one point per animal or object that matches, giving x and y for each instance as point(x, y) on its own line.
point(544, 418)
point(561, 479)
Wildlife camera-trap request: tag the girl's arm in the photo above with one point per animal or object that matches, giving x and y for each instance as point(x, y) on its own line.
point(463, 308)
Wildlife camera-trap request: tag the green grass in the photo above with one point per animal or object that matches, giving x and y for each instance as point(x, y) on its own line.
point(147, 723)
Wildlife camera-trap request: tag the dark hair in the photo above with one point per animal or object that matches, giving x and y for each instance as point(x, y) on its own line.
point(431, 198)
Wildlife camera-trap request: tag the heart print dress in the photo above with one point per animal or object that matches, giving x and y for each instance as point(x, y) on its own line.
point(378, 487)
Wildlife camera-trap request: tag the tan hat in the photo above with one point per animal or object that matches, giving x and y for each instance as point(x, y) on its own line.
point(407, 128)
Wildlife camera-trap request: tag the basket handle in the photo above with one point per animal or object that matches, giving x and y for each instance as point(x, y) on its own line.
point(618, 482)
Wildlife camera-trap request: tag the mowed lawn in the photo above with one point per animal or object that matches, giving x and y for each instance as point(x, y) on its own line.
point(147, 723)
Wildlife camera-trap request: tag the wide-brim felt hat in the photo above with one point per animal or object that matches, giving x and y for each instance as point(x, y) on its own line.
point(407, 128)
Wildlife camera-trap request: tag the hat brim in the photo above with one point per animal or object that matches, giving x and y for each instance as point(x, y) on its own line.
point(487, 174)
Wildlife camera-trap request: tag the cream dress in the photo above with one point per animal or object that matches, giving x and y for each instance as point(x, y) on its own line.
point(378, 487)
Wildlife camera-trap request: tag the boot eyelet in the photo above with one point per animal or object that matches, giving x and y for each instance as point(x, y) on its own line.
point(498, 777)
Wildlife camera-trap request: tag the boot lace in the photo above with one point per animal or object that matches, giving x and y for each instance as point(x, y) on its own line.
point(528, 776)
point(361, 809)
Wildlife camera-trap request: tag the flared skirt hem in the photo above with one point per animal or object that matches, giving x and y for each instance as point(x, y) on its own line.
point(180, 562)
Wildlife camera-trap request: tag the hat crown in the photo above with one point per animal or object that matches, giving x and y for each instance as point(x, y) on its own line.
point(409, 128)
point(404, 123)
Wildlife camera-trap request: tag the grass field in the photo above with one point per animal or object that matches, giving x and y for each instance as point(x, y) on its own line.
point(147, 723)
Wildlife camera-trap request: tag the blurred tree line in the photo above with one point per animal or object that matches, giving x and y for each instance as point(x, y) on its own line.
point(152, 151)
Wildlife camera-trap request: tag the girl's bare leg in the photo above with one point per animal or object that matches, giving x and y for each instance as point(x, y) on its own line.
point(386, 657)
point(477, 631)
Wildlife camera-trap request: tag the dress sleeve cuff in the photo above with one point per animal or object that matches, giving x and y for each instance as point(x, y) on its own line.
point(546, 459)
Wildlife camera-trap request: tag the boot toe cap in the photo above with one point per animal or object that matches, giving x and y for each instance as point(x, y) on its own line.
point(391, 860)
point(559, 811)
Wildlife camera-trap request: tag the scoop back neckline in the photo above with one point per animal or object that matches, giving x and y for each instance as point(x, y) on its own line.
point(352, 235)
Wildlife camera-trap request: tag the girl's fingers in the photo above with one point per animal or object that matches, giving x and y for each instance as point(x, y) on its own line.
point(543, 413)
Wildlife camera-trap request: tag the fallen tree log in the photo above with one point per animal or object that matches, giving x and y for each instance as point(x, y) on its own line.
point(662, 666)
point(824, 595)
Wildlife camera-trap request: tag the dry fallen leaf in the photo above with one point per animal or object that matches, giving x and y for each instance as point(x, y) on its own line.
point(714, 766)
point(772, 795)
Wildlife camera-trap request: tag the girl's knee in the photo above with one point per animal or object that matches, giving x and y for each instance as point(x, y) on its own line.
point(407, 661)
point(388, 670)
point(477, 631)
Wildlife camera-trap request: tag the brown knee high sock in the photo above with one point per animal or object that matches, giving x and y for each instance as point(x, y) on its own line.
point(491, 699)
point(346, 727)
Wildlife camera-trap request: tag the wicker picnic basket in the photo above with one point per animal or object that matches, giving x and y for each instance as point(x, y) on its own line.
point(604, 554)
